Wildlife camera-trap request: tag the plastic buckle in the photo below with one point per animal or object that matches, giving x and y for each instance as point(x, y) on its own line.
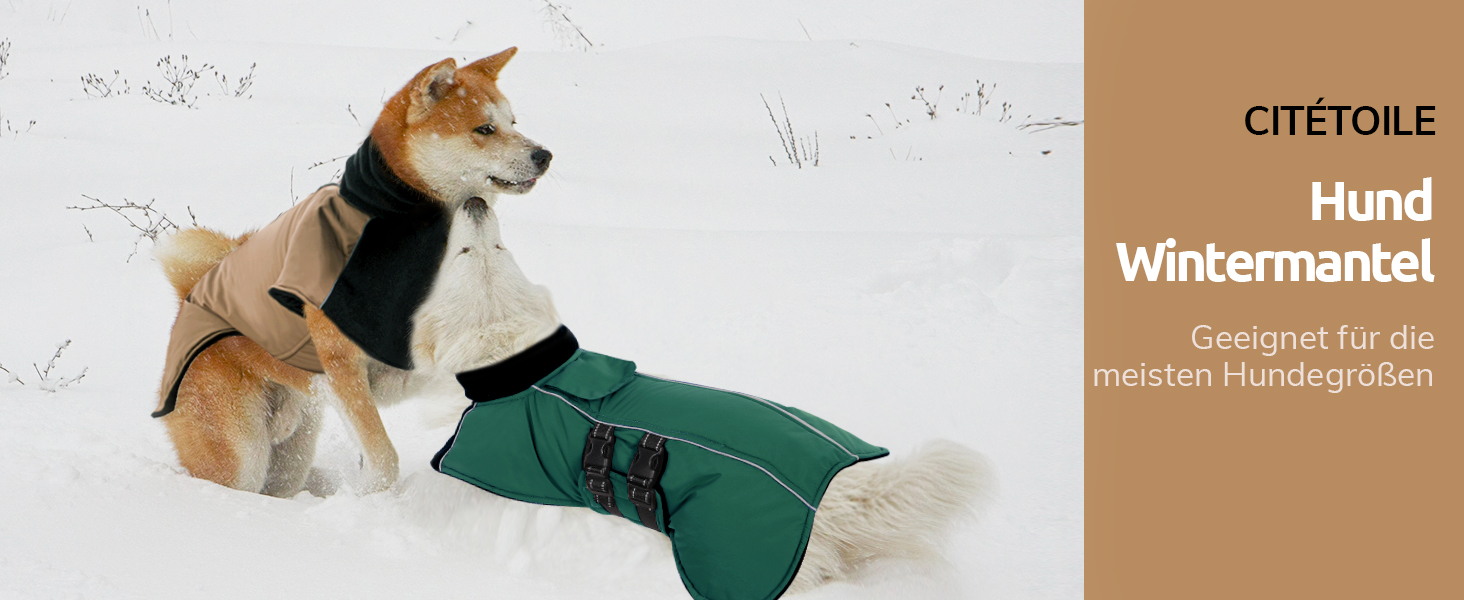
point(599, 485)
point(645, 474)
point(643, 497)
point(599, 450)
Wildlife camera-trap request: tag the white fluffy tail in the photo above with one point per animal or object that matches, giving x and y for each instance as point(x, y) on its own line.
point(187, 255)
point(892, 508)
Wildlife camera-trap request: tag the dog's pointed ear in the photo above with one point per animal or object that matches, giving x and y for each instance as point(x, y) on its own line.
point(428, 88)
point(491, 65)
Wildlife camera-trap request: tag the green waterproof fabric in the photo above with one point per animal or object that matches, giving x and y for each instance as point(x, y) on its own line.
point(743, 475)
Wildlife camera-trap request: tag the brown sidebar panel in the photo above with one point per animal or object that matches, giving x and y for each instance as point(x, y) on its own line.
point(1294, 487)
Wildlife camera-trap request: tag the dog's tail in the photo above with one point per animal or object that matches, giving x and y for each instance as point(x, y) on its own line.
point(190, 253)
point(893, 507)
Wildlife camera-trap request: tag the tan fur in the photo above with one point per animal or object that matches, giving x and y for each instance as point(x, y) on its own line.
point(227, 426)
point(434, 92)
point(190, 253)
point(346, 370)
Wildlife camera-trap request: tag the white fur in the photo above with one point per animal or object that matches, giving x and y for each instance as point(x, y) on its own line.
point(482, 309)
point(892, 507)
point(277, 459)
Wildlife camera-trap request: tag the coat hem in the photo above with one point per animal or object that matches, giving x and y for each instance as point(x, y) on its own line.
point(802, 545)
point(171, 401)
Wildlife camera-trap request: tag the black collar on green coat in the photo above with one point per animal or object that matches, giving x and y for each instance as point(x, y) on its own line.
point(520, 371)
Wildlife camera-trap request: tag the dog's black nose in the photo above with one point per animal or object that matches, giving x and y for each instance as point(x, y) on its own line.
point(541, 158)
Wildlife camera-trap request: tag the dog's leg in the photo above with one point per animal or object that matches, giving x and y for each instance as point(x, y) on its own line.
point(345, 367)
point(390, 385)
point(294, 427)
point(890, 508)
point(220, 426)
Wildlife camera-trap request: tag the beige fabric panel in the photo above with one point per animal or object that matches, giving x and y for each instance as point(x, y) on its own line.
point(195, 327)
point(321, 242)
point(301, 252)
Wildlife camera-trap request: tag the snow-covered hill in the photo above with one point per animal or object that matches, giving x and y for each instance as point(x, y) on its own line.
point(923, 281)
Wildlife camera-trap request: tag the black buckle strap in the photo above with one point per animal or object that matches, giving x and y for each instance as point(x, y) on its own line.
point(599, 448)
point(645, 475)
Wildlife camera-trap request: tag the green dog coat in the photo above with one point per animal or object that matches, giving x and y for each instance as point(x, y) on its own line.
point(733, 480)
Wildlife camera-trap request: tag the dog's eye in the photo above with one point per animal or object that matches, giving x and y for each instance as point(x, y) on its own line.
point(485, 129)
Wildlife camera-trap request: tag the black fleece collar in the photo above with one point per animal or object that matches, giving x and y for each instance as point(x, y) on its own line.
point(516, 373)
point(392, 267)
point(370, 185)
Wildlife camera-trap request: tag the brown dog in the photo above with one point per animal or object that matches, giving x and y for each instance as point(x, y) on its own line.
point(239, 408)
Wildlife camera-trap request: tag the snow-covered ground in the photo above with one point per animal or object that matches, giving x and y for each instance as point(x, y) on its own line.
point(923, 281)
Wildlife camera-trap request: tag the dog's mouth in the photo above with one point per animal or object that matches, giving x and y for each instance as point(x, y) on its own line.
point(513, 187)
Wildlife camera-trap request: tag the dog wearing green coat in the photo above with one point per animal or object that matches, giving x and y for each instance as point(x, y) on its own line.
point(758, 498)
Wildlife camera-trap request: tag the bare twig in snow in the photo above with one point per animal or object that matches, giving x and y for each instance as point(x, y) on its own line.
point(97, 87)
point(147, 25)
point(8, 128)
point(798, 151)
point(898, 123)
point(150, 222)
point(930, 107)
point(11, 377)
point(786, 150)
point(983, 96)
point(459, 32)
point(876, 123)
point(49, 383)
point(54, 14)
point(1052, 123)
point(180, 80)
point(565, 30)
point(241, 85)
point(788, 125)
point(327, 161)
point(45, 380)
point(4, 57)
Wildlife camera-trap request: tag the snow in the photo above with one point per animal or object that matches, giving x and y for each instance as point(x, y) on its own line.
point(924, 281)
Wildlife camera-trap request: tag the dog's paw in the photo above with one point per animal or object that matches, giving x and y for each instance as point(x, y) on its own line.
point(380, 474)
